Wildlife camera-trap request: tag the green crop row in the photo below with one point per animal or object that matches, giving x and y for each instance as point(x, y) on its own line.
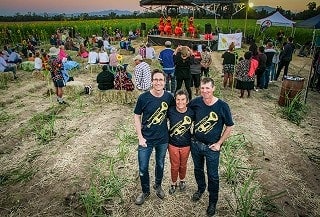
point(21, 31)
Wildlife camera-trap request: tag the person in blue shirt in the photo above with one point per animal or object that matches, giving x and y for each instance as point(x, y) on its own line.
point(150, 121)
point(212, 126)
point(168, 67)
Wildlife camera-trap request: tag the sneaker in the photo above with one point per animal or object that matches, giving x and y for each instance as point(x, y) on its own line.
point(196, 196)
point(159, 191)
point(211, 210)
point(172, 189)
point(141, 198)
point(182, 185)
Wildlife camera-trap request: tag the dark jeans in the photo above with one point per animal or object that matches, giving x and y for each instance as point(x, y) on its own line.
point(187, 82)
point(144, 154)
point(285, 64)
point(204, 72)
point(201, 152)
point(171, 82)
point(261, 78)
point(267, 77)
point(195, 80)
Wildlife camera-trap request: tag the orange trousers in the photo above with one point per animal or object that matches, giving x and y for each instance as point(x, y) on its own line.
point(178, 159)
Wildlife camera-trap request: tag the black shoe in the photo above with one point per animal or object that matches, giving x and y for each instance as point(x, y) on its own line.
point(172, 189)
point(196, 196)
point(15, 77)
point(182, 185)
point(211, 210)
point(141, 198)
point(159, 191)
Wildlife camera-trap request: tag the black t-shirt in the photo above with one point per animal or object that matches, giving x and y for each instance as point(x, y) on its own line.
point(105, 80)
point(229, 58)
point(180, 124)
point(210, 120)
point(182, 66)
point(154, 116)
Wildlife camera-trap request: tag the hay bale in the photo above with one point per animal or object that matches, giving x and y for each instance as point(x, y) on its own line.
point(124, 52)
point(74, 88)
point(117, 96)
point(38, 75)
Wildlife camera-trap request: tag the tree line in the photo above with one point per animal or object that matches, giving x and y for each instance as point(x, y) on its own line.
point(224, 11)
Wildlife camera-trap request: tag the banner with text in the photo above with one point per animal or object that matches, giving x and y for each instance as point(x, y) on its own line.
point(225, 40)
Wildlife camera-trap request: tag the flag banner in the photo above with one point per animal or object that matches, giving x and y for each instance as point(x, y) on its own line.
point(224, 40)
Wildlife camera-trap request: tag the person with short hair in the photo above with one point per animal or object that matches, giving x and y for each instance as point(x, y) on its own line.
point(56, 67)
point(37, 62)
point(182, 60)
point(150, 121)
point(269, 52)
point(180, 121)
point(206, 61)
point(105, 79)
point(142, 74)
point(14, 57)
point(167, 62)
point(229, 61)
point(245, 80)
point(5, 67)
point(260, 71)
point(212, 126)
point(285, 58)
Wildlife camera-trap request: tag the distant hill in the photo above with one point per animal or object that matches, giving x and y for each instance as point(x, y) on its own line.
point(51, 14)
point(266, 8)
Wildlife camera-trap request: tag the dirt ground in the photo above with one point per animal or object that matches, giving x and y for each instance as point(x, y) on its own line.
point(287, 155)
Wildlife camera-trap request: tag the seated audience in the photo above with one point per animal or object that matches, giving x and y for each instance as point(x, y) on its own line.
point(105, 79)
point(14, 57)
point(37, 62)
point(7, 67)
point(103, 57)
point(122, 80)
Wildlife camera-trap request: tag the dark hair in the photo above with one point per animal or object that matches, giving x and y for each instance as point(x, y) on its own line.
point(206, 80)
point(182, 92)
point(156, 71)
point(195, 47)
point(290, 39)
point(248, 55)
point(261, 49)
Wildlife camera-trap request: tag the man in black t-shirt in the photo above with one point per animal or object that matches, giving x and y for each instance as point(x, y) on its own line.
point(211, 116)
point(150, 121)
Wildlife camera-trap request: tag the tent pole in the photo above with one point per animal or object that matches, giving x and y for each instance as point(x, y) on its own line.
point(308, 84)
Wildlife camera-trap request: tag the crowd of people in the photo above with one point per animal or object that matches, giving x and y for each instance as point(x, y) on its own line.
point(167, 117)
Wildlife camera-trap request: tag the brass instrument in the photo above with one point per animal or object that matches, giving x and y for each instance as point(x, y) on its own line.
point(181, 127)
point(159, 115)
point(206, 125)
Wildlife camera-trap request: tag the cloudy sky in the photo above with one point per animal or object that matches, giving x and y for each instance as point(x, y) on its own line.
point(10, 7)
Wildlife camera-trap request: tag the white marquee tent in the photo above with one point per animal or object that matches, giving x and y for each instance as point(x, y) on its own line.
point(277, 19)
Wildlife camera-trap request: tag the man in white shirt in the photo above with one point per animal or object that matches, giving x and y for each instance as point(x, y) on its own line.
point(4, 67)
point(142, 74)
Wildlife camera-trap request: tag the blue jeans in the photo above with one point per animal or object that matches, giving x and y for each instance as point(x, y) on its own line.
point(201, 152)
point(171, 77)
point(144, 154)
point(267, 77)
point(273, 72)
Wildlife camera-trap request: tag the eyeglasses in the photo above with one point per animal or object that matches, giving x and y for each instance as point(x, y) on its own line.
point(158, 80)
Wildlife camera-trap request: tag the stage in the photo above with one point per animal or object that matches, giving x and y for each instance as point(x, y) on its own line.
point(160, 40)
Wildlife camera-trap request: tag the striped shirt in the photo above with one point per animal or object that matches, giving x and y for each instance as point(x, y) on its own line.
point(142, 73)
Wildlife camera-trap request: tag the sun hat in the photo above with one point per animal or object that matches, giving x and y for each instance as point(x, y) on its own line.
point(138, 57)
point(167, 43)
point(53, 51)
